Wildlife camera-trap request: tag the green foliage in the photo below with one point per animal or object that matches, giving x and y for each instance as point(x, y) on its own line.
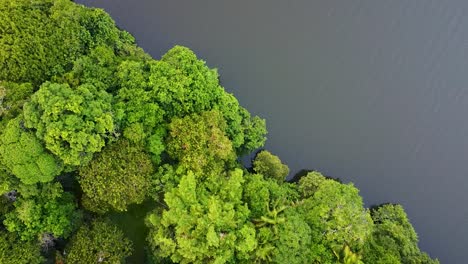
point(199, 143)
point(136, 102)
point(261, 194)
point(183, 85)
point(14, 251)
point(203, 223)
point(93, 86)
point(335, 212)
point(117, 177)
point(8, 182)
point(96, 68)
point(100, 242)
point(393, 239)
point(254, 130)
point(42, 209)
point(346, 256)
point(42, 38)
point(12, 98)
point(24, 156)
point(137, 112)
point(270, 166)
point(154, 92)
point(73, 123)
point(293, 240)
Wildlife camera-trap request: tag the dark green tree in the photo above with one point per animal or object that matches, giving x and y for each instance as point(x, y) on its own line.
point(15, 251)
point(99, 242)
point(42, 38)
point(118, 176)
point(199, 143)
point(393, 238)
point(270, 166)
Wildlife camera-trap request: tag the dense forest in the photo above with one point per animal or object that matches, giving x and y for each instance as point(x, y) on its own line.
point(110, 156)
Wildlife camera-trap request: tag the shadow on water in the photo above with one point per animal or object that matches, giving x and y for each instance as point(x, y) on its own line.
point(133, 225)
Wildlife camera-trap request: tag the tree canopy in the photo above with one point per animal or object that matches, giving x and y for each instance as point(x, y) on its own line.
point(42, 209)
point(91, 126)
point(73, 123)
point(393, 238)
point(118, 176)
point(15, 251)
point(25, 157)
point(98, 242)
point(270, 166)
point(204, 224)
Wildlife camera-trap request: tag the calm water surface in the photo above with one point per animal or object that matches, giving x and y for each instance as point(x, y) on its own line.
point(373, 92)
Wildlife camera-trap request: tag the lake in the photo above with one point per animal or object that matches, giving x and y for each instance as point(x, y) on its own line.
point(373, 92)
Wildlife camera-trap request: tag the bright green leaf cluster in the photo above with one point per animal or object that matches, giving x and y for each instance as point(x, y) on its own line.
point(24, 156)
point(42, 209)
point(73, 123)
point(335, 212)
point(204, 224)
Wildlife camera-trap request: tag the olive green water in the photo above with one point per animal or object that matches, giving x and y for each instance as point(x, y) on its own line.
point(132, 223)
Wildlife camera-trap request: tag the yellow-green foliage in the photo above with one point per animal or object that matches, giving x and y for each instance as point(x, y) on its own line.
point(99, 242)
point(116, 177)
point(73, 123)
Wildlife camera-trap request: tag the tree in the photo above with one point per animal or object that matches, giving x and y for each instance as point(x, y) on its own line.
point(116, 177)
point(14, 251)
point(393, 238)
point(204, 222)
point(42, 209)
point(291, 241)
point(270, 166)
point(138, 113)
point(73, 123)
point(8, 182)
point(282, 233)
point(183, 85)
point(12, 98)
point(99, 242)
point(42, 38)
point(253, 130)
point(199, 143)
point(97, 68)
point(335, 212)
point(24, 156)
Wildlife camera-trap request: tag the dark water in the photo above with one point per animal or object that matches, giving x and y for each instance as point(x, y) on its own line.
point(373, 92)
